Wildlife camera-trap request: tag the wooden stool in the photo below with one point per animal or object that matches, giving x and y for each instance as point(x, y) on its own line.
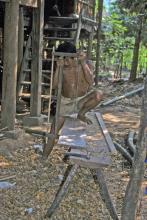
point(93, 154)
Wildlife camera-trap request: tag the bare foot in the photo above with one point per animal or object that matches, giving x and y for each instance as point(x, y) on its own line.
point(84, 119)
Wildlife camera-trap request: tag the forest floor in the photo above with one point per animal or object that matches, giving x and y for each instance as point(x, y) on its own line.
point(35, 182)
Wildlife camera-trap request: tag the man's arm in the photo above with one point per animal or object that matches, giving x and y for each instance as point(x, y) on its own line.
point(88, 74)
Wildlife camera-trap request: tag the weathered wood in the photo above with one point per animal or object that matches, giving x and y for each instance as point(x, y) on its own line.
point(62, 54)
point(79, 26)
point(23, 66)
point(4, 178)
point(60, 77)
point(105, 132)
point(5, 0)
point(134, 92)
point(10, 64)
point(36, 67)
point(90, 42)
point(30, 3)
point(124, 152)
point(69, 174)
point(20, 39)
point(73, 133)
point(92, 161)
point(100, 181)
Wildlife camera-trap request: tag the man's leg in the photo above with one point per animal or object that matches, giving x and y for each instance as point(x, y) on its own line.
point(48, 147)
point(87, 103)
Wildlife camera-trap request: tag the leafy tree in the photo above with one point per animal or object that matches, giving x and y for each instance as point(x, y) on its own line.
point(137, 8)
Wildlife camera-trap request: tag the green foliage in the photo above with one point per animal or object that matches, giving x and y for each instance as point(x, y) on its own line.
point(119, 29)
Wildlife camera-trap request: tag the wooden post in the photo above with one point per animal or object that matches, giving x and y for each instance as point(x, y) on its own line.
point(91, 34)
point(37, 46)
point(10, 64)
point(20, 38)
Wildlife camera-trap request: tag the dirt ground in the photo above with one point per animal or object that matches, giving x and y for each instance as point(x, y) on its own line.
point(35, 181)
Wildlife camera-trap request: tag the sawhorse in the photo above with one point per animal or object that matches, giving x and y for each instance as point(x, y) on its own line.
point(93, 154)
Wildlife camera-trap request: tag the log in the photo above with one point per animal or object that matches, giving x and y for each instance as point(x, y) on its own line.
point(122, 96)
point(124, 153)
point(69, 174)
point(105, 195)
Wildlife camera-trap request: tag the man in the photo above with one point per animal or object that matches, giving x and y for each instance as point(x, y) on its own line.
point(76, 95)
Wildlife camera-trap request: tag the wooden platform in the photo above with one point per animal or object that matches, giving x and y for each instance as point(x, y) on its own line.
point(73, 133)
point(90, 145)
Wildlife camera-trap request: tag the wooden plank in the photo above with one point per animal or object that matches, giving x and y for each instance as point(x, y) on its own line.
point(79, 26)
point(22, 68)
point(73, 133)
point(20, 39)
point(4, 0)
point(59, 90)
point(10, 64)
point(92, 161)
point(105, 133)
point(36, 66)
point(30, 3)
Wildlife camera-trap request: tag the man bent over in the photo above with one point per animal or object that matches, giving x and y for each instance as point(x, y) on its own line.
point(76, 94)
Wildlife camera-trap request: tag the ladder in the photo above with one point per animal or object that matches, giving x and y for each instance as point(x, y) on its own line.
point(57, 30)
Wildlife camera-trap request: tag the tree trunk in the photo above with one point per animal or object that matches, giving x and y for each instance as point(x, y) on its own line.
point(134, 65)
point(132, 193)
point(100, 12)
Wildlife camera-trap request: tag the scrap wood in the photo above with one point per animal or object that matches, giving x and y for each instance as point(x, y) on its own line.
point(122, 96)
point(124, 152)
point(3, 178)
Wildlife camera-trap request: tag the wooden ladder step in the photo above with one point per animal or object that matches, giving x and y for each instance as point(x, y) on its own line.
point(43, 71)
point(59, 38)
point(27, 95)
point(66, 19)
point(29, 83)
point(59, 29)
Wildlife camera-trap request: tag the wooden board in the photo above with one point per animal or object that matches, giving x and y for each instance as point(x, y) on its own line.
point(94, 161)
point(73, 133)
point(30, 3)
point(105, 133)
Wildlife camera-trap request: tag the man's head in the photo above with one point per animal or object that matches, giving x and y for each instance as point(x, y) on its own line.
point(66, 47)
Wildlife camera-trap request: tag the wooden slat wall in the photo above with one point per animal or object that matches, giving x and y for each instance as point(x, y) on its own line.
point(89, 7)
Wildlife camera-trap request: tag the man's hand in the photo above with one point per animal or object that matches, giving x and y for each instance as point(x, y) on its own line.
point(81, 56)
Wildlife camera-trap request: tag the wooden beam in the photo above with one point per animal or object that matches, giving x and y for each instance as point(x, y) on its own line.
point(20, 38)
point(4, 0)
point(105, 133)
point(37, 47)
point(31, 3)
point(10, 64)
